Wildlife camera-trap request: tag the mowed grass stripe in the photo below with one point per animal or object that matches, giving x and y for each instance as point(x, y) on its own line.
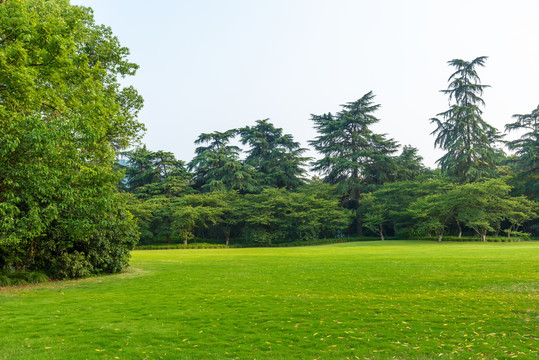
point(380, 300)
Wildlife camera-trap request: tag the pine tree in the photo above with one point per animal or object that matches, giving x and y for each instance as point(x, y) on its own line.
point(468, 140)
point(276, 156)
point(354, 157)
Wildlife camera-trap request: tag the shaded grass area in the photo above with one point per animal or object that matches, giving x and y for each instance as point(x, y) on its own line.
point(375, 300)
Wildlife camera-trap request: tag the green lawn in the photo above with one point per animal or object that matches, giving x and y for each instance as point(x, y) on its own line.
point(374, 300)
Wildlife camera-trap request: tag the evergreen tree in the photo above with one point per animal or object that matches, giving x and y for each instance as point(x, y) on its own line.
point(353, 156)
point(409, 164)
point(467, 139)
point(217, 166)
point(156, 173)
point(527, 151)
point(276, 156)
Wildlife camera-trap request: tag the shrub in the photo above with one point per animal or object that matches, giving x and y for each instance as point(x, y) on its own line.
point(4, 280)
point(34, 277)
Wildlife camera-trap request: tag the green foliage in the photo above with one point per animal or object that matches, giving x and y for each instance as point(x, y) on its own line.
point(151, 173)
point(64, 116)
point(4, 280)
point(217, 166)
point(275, 156)
point(482, 206)
point(277, 216)
point(11, 277)
point(527, 152)
point(352, 152)
point(467, 139)
point(353, 156)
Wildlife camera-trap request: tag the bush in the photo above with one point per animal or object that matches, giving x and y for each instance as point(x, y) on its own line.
point(10, 278)
point(74, 265)
point(4, 280)
point(35, 277)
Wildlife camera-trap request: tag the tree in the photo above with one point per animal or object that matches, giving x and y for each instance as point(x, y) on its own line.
point(467, 139)
point(63, 117)
point(353, 155)
point(217, 166)
point(278, 215)
point(150, 173)
point(520, 210)
point(527, 150)
point(376, 214)
point(433, 213)
point(483, 206)
point(196, 211)
point(409, 164)
point(276, 156)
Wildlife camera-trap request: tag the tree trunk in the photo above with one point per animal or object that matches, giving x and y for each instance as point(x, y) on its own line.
point(484, 236)
point(185, 240)
point(440, 237)
point(381, 233)
point(227, 239)
point(460, 229)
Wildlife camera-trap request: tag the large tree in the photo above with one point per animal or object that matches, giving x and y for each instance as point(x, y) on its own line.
point(63, 117)
point(353, 155)
point(276, 156)
point(217, 165)
point(468, 140)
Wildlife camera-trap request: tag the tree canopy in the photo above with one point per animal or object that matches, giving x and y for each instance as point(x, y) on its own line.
point(64, 116)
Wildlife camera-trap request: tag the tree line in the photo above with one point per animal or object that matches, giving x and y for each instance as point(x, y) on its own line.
point(74, 201)
point(366, 184)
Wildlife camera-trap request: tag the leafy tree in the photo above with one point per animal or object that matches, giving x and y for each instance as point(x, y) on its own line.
point(376, 214)
point(63, 117)
point(145, 214)
point(312, 212)
point(483, 206)
point(392, 202)
point(467, 139)
point(276, 156)
point(353, 155)
point(520, 210)
point(433, 213)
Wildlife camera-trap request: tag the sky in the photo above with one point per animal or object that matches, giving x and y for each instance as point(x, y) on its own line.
point(214, 65)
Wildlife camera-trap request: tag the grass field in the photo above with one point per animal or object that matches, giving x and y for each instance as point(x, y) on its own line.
point(369, 300)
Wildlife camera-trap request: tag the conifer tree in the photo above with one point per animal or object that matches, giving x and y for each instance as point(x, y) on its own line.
point(353, 155)
point(468, 140)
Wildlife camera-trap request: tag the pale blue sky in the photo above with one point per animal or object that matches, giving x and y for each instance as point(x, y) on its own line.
point(209, 65)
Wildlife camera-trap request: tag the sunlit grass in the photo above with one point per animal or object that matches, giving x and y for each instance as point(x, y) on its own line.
point(378, 300)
